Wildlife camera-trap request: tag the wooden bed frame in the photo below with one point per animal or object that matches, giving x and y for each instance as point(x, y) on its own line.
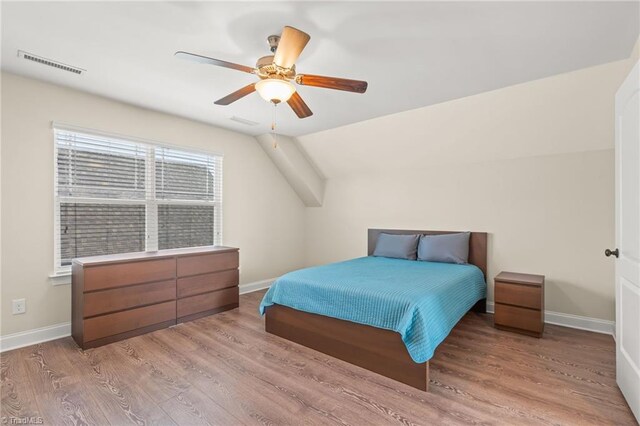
point(375, 349)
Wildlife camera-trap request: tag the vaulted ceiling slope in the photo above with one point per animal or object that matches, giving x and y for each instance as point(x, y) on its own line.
point(568, 113)
point(412, 54)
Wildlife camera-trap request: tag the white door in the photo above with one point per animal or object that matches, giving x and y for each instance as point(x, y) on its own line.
point(628, 239)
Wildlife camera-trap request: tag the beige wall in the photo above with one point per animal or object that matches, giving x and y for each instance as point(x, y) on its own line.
point(635, 55)
point(531, 164)
point(262, 214)
point(550, 215)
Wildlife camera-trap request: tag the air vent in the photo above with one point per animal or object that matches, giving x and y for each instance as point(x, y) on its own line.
point(49, 62)
point(244, 121)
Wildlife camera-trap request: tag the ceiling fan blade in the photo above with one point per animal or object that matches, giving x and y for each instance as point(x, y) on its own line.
point(298, 106)
point(212, 61)
point(332, 83)
point(238, 94)
point(291, 43)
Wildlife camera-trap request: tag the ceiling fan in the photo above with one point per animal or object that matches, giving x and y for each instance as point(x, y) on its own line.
point(277, 71)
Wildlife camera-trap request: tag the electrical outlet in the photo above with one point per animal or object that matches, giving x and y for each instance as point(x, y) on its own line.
point(19, 306)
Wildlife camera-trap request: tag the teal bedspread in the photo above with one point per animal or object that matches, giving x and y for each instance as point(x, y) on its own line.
point(422, 301)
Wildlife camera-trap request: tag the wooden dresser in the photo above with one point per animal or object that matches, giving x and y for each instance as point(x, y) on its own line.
point(119, 296)
point(519, 303)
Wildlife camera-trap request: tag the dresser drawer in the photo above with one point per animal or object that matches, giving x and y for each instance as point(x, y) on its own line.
point(121, 322)
point(208, 301)
point(527, 296)
point(121, 274)
point(206, 263)
point(208, 282)
point(520, 318)
point(117, 299)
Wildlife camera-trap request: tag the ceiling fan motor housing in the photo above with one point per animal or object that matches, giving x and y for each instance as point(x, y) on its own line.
point(265, 61)
point(266, 68)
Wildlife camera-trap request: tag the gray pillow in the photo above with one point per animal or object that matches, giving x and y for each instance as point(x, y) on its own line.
point(447, 248)
point(398, 246)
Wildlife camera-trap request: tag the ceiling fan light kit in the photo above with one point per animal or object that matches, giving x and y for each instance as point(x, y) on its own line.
point(275, 90)
point(278, 71)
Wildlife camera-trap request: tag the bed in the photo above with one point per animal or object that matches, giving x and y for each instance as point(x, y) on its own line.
point(386, 315)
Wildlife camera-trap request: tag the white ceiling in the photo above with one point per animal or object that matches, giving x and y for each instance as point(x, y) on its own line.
point(412, 54)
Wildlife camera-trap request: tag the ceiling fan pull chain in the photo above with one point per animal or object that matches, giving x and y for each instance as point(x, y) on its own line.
point(273, 127)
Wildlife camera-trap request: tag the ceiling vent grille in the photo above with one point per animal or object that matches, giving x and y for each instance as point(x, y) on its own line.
point(243, 121)
point(44, 61)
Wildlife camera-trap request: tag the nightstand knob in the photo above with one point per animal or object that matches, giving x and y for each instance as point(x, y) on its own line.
point(615, 252)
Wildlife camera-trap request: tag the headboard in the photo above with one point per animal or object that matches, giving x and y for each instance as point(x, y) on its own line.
point(477, 244)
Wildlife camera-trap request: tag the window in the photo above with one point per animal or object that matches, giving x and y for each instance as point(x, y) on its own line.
point(114, 195)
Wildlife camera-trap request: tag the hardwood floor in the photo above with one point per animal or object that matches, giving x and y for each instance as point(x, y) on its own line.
point(226, 370)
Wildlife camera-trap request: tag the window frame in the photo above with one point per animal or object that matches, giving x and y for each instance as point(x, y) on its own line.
point(150, 201)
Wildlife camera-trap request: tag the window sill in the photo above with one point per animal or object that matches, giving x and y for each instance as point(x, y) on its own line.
point(60, 278)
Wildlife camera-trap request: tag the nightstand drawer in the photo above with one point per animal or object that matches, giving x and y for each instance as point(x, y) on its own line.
point(520, 318)
point(518, 294)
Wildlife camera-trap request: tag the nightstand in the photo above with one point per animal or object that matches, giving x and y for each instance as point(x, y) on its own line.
point(519, 303)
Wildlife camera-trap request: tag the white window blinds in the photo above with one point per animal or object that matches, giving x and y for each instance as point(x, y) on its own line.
point(186, 185)
point(99, 167)
point(182, 175)
point(114, 195)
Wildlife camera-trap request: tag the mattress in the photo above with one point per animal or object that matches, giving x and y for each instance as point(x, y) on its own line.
point(422, 301)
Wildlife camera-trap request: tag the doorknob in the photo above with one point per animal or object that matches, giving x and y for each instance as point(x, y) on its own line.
point(615, 252)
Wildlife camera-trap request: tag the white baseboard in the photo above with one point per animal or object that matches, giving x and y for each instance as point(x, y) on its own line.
point(57, 331)
point(32, 337)
point(255, 286)
point(574, 321)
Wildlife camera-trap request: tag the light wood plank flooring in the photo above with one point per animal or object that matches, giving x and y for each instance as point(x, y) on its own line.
point(226, 370)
